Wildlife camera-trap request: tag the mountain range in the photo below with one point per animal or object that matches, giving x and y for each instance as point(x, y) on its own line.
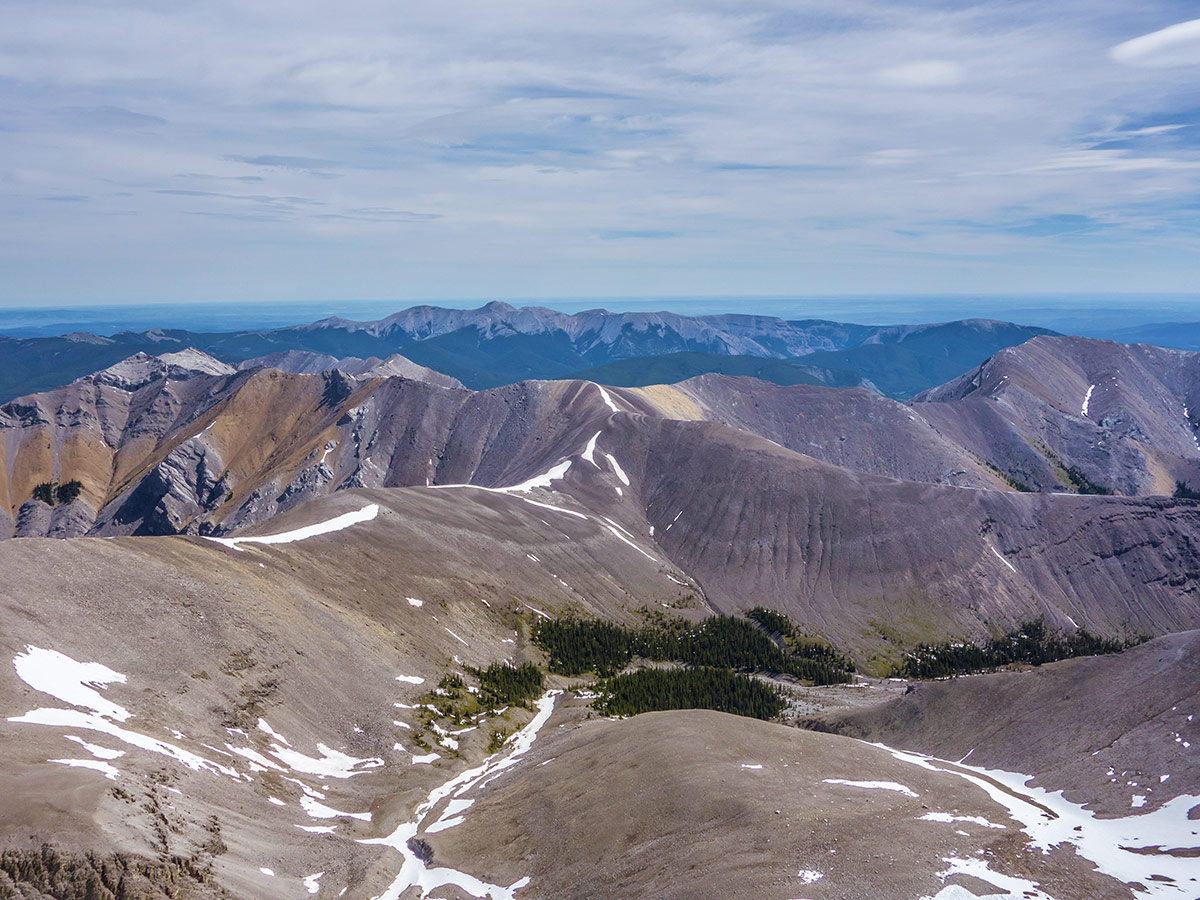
point(252, 599)
point(499, 344)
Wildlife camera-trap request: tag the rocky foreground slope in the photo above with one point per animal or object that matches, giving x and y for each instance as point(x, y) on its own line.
point(246, 715)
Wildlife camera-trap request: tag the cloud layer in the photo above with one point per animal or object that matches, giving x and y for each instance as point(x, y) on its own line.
point(469, 149)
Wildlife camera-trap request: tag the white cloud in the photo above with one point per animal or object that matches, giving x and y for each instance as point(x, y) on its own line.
point(931, 73)
point(1176, 45)
point(500, 139)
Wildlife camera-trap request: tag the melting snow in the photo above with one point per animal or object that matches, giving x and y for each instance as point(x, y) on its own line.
point(751, 765)
point(98, 764)
point(554, 473)
point(338, 523)
point(880, 785)
point(616, 468)
point(948, 818)
point(1001, 558)
point(413, 601)
point(264, 727)
point(623, 535)
point(410, 679)
point(317, 829)
point(71, 682)
point(455, 636)
point(312, 883)
point(275, 801)
point(103, 752)
point(332, 764)
point(427, 758)
point(608, 400)
point(1015, 888)
point(1087, 400)
point(1130, 849)
point(267, 872)
point(321, 811)
point(414, 872)
point(66, 679)
point(809, 876)
point(589, 452)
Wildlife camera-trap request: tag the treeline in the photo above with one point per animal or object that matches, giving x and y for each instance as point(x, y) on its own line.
point(504, 685)
point(799, 643)
point(1184, 491)
point(653, 690)
point(1083, 484)
point(575, 646)
point(1032, 643)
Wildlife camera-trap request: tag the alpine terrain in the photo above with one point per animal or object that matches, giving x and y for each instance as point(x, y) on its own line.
point(513, 604)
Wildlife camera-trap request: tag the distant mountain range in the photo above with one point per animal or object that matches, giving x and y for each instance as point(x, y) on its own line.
point(500, 344)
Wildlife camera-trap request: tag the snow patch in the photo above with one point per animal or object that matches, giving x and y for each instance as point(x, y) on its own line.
point(413, 601)
point(607, 397)
point(413, 871)
point(1131, 849)
point(410, 679)
point(99, 765)
point(102, 752)
point(948, 818)
point(71, 682)
point(321, 811)
point(267, 729)
point(1087, 401)
point(332, 763)
point(338, 523)
point(874, 785)
point(996, 553)
point(612, 461)
point(589, 452)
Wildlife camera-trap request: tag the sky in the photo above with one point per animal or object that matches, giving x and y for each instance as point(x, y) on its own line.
point(270, 151)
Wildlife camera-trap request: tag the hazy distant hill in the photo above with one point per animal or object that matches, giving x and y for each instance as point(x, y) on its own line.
point(500, 344)
point(675, 367)
point(907, 359)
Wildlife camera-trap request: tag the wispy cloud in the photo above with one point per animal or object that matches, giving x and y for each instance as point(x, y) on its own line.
point(687, 146)
point(1175, 45)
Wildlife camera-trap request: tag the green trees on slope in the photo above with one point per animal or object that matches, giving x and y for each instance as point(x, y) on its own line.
point(1032, 643)
point(653, 690)
point(576, 646)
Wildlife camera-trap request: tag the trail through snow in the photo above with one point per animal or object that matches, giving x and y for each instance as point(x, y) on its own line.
point(414, 872)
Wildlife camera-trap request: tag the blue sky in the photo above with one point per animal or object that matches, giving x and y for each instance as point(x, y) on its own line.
point(309, 151)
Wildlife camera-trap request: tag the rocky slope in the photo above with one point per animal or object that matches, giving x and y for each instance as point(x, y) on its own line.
point(1115, 732)
point(1125, 415)
point(823, 504)
point(225, 743)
